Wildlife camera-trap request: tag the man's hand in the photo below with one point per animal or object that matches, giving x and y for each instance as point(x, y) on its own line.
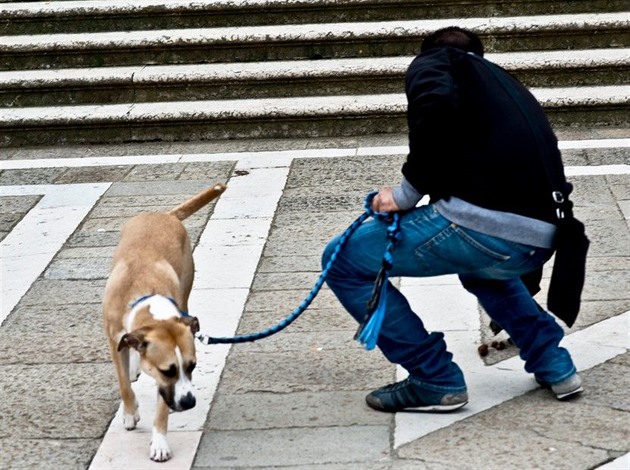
point(384, 201)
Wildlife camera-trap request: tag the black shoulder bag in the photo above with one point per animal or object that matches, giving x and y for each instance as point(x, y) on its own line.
point(571, 244)
point(569, 266)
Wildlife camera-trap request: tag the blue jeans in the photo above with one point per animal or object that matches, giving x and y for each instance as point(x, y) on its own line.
point(487, 266)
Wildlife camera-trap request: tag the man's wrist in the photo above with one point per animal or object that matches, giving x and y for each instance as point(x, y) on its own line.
point(405, 195)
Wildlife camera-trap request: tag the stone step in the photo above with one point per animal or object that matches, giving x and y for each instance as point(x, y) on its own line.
point(272, 118)
point(311, 41)
point(31, 18)
point(287, 78)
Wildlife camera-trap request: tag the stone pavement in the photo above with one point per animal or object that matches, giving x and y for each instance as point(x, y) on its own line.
point(295, 400)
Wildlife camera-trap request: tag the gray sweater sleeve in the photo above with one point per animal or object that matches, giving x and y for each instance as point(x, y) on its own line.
point(405, 195)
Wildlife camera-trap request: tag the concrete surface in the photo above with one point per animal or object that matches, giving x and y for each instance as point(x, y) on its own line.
point(295, 400)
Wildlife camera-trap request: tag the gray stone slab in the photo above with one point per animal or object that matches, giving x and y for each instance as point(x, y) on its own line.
point(78, 268)
point(620, 186)
point(93, 239)
point(17, 204)
point(65, 401)
point(474, 445)
point(596, 156)
point(294, 263)
point(301, 223)
point(609, 156)
point(301, 342)
point(607, 386)
point(295, 247)
point(10, 220)
point(158, 172)
point(86, 253)
point(54, 346)
point(321, 200)
point(103, 224)
point(123, 212)
point(321, 232)
point(271, 411)
point(533, 428)
point(93, 174)
point(608, 237)
point(287, 300)
point(622, 359)
point(607, 263)
point(293, 447)
point(155, 199)
point(571, 157)
point(594, 311)
point(47, 454)
point(219, 172)
point(115, 224)
point(284, 281)
point(306, 371)
point(338, 174)
point(149, 188)
point(607, 285)
point(60, 292)
point(324, 320)
point(83, 319)
point(30, 176)
point(380, 464)
point(591, 191)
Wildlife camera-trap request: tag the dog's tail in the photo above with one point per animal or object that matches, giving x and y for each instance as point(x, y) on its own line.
point(186, 209)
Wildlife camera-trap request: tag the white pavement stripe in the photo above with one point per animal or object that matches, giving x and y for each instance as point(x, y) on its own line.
point(31, 245)
point(226, 259)
point(597, 170)
point(622, 463)
point(264, 158)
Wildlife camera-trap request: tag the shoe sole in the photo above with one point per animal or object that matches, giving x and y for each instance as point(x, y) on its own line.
point(437, 408)
point(568, 395)
point(428, 408)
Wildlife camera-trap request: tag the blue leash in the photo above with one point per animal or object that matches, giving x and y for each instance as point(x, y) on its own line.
point(368, 331)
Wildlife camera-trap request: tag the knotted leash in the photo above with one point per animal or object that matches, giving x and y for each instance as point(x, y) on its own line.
point(367, 334)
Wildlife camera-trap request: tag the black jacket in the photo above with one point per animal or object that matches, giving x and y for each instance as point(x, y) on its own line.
point(471, 138)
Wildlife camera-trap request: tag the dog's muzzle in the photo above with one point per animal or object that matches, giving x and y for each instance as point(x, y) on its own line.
point(183, 403)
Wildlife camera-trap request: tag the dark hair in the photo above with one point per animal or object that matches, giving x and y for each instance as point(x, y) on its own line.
point(453, 36)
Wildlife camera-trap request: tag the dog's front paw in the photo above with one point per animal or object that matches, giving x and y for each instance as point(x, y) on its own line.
point(159, 451)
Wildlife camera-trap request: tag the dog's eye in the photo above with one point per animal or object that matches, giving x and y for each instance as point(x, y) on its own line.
point(170, 372)
point(191, 367)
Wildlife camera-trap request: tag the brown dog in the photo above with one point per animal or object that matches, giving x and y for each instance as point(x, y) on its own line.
point(144, 311)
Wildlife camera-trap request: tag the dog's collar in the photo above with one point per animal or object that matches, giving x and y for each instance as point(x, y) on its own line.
point(183, 313)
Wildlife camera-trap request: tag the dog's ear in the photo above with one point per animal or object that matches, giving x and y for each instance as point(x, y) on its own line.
point(191, 322)
point(135, 340)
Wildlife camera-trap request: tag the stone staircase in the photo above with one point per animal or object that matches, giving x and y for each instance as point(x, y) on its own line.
point(112, 71)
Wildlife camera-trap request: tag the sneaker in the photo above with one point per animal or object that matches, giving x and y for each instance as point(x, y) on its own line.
point(565, 389)
point(410, 396)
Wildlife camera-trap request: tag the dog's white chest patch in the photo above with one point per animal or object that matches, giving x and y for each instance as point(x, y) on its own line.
point(160, 307)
